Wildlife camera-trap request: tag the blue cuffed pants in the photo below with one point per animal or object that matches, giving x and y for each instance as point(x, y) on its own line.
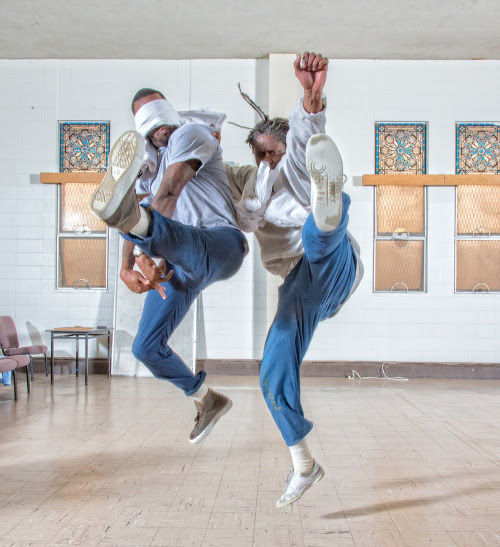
point(199, 257)
point(311, 292)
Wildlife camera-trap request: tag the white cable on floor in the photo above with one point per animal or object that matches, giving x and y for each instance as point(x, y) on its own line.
point(355, 374)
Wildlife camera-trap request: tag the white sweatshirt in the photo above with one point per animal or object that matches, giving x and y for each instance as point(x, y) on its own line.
point(274, 204)
point(278, 222)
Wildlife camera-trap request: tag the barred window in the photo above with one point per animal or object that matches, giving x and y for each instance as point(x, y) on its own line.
point(400, 241)
point(82, 240)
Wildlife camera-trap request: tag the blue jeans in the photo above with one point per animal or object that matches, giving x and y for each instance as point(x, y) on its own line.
point(198, 257)
point(311, 292)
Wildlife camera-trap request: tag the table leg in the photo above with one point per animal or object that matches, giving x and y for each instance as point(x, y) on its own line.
point(109, 353)
point(77, 348)
point(51, 357)
point(86, 358)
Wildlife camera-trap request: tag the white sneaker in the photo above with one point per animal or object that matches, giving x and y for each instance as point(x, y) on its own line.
point(324, 163)
point(297, 483)
point(115, 201)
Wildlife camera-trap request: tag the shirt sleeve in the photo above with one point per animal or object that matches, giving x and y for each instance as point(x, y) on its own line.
point(239, 177)
point(303, 125)
point(191, 142)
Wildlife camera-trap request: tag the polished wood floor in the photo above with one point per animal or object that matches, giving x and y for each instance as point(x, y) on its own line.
point(408, 464)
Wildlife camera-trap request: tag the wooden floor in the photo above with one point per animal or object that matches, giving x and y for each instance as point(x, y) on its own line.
point(409, 464)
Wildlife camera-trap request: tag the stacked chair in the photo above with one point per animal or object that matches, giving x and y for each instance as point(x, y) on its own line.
point(9, 342)
point(11, 364)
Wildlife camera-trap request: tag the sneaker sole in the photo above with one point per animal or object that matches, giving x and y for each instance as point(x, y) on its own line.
point(118, 184)
point(320, 475)
point(204, 434)
point(324, 164)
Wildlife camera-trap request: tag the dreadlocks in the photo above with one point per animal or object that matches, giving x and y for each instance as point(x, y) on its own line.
point(276, 127)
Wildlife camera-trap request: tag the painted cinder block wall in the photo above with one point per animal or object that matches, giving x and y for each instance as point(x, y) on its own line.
point(438, 326)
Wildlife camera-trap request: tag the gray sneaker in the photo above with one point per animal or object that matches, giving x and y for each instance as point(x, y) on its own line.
point(297, 483)
point(115, 200)
point(213, 406)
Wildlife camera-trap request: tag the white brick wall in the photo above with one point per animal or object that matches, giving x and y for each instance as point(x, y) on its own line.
point(437, 326)
point(34, 95)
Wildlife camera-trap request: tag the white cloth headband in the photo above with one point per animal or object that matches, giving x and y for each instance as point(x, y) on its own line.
point(155, 114)
point(213, 120)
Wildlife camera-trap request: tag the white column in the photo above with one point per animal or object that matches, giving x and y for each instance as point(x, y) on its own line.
point(284, 90)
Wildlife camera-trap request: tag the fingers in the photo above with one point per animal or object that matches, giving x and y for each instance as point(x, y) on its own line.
point(161, 290)
point(163, 278)
point(162, 269)
point(136, 282)
point(323, 64)
point(167, 277)
point(311, 61)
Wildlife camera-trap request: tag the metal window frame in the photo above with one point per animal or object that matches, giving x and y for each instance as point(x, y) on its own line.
point(469, 237)
point(75, 235)
point(394, 237)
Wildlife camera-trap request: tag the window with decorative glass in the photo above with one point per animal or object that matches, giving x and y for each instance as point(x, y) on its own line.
point(477, 213)
point(400, 242)
point(477, 239)
point(82, 240)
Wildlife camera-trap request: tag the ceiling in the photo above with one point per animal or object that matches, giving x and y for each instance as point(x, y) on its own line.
point(220, 29)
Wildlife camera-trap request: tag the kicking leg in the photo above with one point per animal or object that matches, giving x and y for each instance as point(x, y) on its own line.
point(324, 164)
point(115, 200)
point(203, 255)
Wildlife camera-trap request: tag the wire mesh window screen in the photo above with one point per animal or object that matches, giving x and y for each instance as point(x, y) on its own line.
point(82, 262)
point(75, 213)
point(399, 266)
point(477, 265)
point(478, 210)
point(400, 208)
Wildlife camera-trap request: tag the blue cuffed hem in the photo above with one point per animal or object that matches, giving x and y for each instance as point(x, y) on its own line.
point(298, 439)
point(202, 375)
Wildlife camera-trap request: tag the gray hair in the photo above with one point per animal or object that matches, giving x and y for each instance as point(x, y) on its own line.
point(276, 127)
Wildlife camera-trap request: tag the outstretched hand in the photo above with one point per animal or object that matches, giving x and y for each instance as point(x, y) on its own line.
point(154, 275)
point(311, 69)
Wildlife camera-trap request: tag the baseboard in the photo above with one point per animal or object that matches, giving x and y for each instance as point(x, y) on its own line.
point(342, 369)
point(66, 365)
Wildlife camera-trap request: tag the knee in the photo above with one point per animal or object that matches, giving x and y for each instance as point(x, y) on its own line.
point(146, 352)
point(139, 351)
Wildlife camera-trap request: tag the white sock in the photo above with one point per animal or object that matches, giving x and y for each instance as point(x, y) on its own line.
point(303, 462)
point(200, 393)
point(141, 228)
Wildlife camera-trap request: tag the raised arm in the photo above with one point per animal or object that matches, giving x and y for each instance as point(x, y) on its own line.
point(311, 70)
point(306, 119)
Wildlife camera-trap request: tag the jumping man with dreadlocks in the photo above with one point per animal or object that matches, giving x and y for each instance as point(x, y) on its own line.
point(299, 172)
